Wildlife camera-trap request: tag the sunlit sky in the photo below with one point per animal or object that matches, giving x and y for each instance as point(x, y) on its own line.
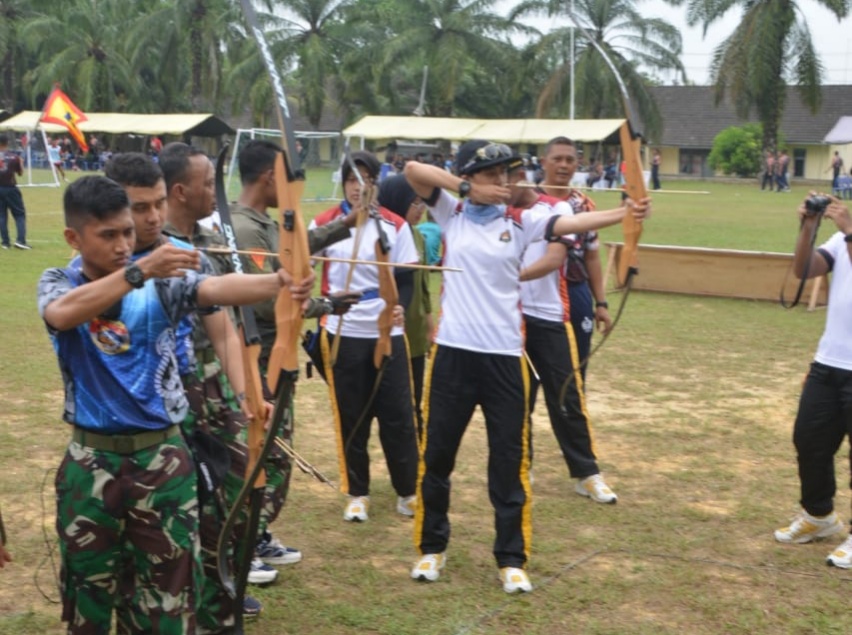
point(833, 39)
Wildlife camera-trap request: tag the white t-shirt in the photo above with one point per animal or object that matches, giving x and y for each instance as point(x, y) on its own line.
point(546, 298)
point(835, 345)
point(362, 319)
point(480, 307)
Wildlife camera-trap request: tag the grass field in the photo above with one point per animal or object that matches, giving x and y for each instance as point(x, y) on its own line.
point(692, 401)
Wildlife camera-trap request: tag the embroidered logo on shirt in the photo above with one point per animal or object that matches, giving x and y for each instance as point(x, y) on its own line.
point(506, 237)
point(110, 336)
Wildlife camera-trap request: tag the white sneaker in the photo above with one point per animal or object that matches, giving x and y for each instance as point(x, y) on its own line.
point(261, 573)
point(842, 556)
point(805, 528)
point(428, 568)
point(515, 580)
point(406, 505)
point(595, 487)
point(356, 510)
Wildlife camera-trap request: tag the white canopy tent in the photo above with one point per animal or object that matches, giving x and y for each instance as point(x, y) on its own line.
point(503, 130)
point(197, 125)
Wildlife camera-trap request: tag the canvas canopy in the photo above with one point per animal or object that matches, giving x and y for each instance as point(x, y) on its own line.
point(201, 125)
point(841, 132)
point(503, 130)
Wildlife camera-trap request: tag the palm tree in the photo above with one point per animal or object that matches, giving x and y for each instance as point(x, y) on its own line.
point(14, 58)
point(457, 39)
point(183, 44)
point(82, 46)
point(631, 41)
point(771, 45)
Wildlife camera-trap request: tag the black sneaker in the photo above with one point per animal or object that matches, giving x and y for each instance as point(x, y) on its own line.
point(251, 607)
point(22, 246)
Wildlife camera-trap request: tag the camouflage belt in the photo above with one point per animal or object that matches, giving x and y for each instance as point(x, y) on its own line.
point(123, 443)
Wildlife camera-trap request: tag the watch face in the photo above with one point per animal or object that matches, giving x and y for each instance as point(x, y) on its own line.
point(464, 188)
point(133, 274)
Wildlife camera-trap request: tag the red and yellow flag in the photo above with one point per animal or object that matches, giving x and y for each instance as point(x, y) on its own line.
point(59, 109)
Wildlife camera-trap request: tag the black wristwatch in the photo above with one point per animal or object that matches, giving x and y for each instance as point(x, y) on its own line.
point(848, 237)
point(464, 188)
point(134, 276)
point(602, 305)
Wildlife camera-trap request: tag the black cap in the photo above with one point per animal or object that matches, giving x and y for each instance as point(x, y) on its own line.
point(396, 194)
point(362, 159)
point(479, 154)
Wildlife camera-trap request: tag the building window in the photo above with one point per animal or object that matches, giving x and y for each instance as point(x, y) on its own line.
point(799, 155)
point(694, 162)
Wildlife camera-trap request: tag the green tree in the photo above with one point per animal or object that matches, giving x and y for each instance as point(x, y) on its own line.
point(464, 43)
point(771, 46)
point(631, 41)
point(736, 150)
point(83, 47)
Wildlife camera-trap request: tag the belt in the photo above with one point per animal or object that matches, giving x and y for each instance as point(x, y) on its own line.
point(123, 443)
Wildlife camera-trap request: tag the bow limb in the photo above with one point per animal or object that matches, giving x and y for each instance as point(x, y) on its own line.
point(389, 293)
point(631, 146)
point(2, 531)
point(234, 582)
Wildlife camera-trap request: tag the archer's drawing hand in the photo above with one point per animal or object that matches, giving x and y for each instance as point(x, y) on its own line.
point(490, 193)
point(169, 261)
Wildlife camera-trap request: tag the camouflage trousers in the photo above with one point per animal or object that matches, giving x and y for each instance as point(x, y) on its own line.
point(127, 526)
point(279, 467)
point(214, 409)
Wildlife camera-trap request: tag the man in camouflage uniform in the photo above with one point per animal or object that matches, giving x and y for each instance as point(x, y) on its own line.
point(219, 381)
point(256, 231)
point(127, 508)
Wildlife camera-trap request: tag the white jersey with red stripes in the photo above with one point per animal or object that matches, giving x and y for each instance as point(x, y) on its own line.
point(546, 298)
point(362, 319)
point(480, 307)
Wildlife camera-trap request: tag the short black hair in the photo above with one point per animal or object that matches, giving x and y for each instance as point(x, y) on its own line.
point(558, 141)
point(133, 169)
point(93, 197)
point(174, 162)
point(256, 157)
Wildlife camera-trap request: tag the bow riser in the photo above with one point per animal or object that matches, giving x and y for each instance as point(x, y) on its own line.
point(390, 294)
point(631, 145)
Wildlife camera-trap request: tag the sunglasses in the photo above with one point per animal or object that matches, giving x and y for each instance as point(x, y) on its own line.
point(489, 153)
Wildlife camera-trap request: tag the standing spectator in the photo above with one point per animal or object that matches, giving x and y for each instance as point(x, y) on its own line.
point(825, 407)
point(655, 169)
point(156, 147)
point(768, 171)
point(10, 197)
point(54, 155)
point(836, 167)
point(781, 172)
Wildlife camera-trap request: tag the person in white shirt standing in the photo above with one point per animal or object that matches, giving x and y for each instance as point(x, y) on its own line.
point(359, 390)
point(824, 418)
point(477, 355)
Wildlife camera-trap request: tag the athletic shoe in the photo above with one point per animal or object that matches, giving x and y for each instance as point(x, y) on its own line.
point(805, 528)
point(251, 607)
point(261, 573)
point(842, 556)
point(595, 487)
point(356, 509)
point(4, 246)
point(406, 505)
point(428, 568)
point(22, 246)
point(271, 551)
point(515, 580)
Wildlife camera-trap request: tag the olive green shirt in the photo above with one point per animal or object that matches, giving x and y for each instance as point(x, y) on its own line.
point(416, 326)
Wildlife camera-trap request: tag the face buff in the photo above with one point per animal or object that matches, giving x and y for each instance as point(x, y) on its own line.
point(482, 214)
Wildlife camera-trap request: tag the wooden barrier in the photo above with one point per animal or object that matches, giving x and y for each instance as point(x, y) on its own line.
point(726, 273)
